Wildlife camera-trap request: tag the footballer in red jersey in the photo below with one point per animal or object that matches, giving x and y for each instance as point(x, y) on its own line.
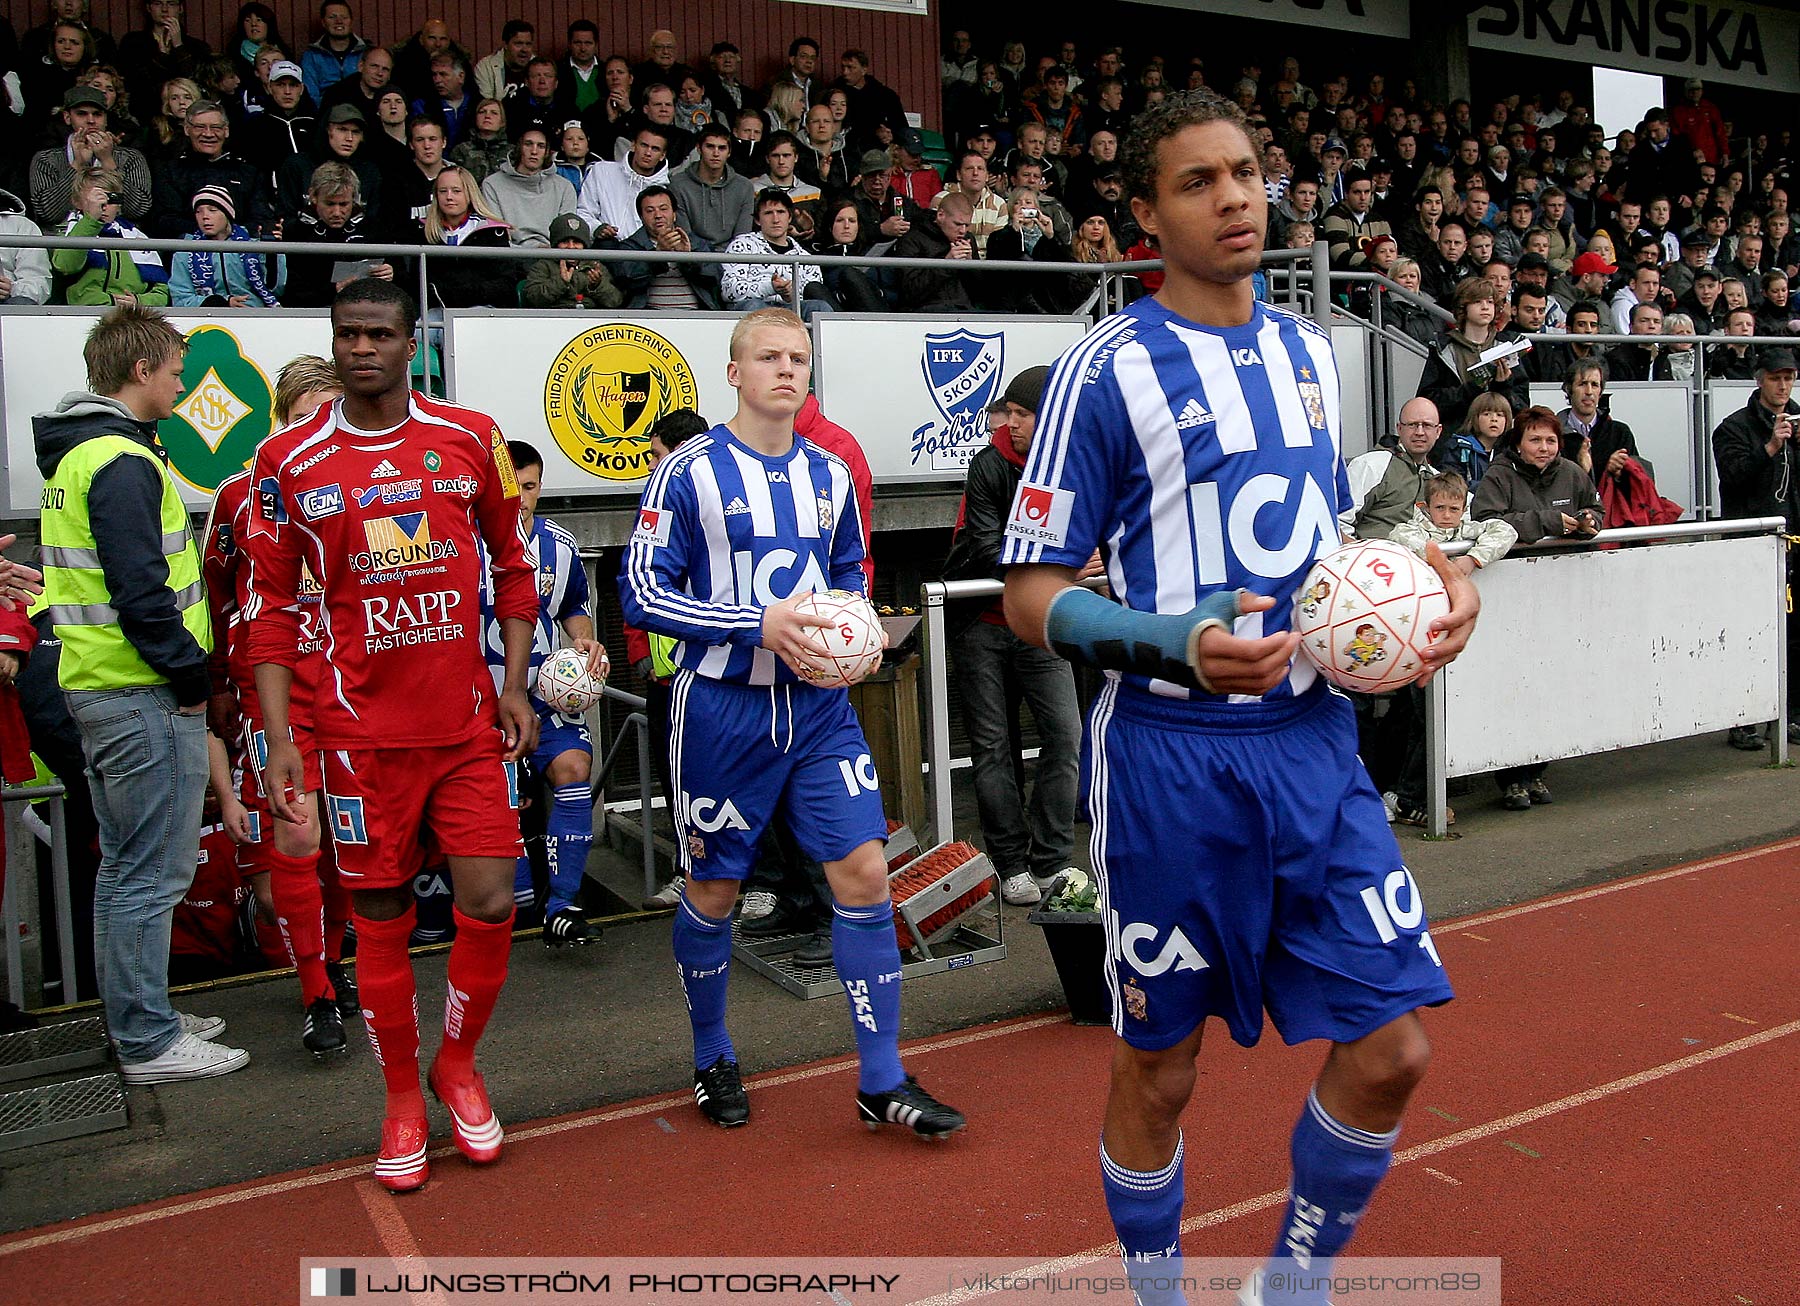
point(385, 495)
point(297, 890)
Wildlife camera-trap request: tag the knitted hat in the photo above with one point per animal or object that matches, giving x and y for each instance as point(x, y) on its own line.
point(1026, 390)
point(218, 197)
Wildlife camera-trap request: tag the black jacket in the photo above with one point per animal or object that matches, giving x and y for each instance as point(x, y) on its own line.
point(928, 289)
point(125, 514)
point(1531, 500)
point(171, 206)
point(309, 283)
point(1443, 383)
point(1637, 363)
point(471, 282)
point(974, 554)
point(1751, 482)
point(293, 181)
point(1042, 292)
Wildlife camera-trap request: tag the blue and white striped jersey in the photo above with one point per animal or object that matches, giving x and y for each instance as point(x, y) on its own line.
point(1198, 459)
point(723, 532)
point(562, 588)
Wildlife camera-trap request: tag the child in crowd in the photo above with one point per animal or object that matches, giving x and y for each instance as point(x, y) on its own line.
point(206, 279)
point(567, 283)
point(1442, 516)
point(1469, 451)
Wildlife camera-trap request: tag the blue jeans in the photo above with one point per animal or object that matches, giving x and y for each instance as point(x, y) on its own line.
point(1038, 837)
point(146, 766)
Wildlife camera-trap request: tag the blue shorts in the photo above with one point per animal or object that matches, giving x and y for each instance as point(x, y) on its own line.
point(558, 734)
point(1244, 861)
point(738, 754)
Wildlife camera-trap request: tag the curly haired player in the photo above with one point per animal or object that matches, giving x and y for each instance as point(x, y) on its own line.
point(1243, 857)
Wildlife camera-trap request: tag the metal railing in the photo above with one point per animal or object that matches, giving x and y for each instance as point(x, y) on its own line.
point(55, 795)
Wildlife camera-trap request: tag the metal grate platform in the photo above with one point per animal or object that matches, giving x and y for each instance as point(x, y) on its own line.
point(769, 958)
point(52, 1049)
point(30, 1116)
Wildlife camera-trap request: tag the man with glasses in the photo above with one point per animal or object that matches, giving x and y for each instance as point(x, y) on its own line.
point(1351, 225)
point(1386, 483)
point(208, 161)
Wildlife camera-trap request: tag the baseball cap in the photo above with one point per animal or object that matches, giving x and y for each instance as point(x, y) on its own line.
point(285, 68)
point(345, 113)
point(1696, 239)
point(218, 197)
point(568, 227)
point(1707, 273)
point(1529, 261)
point(1108, 170)
point(1774, 359)
point(1587, 263)
point(1379, 164)
point(982, 129)
point(874, 161)
point(83, 95)
point(1027, 390)
point(1521, 198)
point(1333, 143)
point(908, 139)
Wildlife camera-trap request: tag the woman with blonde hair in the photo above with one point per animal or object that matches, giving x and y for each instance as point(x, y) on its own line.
point(167, 136)
point(786, 109)
point(459, 216)
point(1094, 243)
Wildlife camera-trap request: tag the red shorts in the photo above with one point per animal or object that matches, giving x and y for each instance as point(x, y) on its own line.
point(250, 789)
point(381, 803)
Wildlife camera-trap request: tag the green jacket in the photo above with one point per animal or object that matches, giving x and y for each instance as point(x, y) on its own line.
point(99, 277)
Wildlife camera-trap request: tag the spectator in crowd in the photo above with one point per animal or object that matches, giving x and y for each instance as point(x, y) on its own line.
point(162, 48)
point(1746, 267)
point(1470, 450)
point(1454, 373)
point(608, 199)
point(1775, 316)
point(658, 111)
point(1028, 841)
point(111, 276)
point(373, 73)
point(612, 117)
point(1094, 243)
point(1731, 290)
point(1592, 439)
point(448, 101)
point(120, 560)
point(208, 279)
point(1734, 362)
point(747, 143)
point(486, 146)
point(912, 176)
point(824, 160)
point(459, 216)
point(1404, 313)
point(286, 125)
point(841, 234)
point(110, 82)
point(208, 161)
point(1440, 517)
point(1105, 198)
point(1641, 362)
point(782, 155)
point(785, 109)
point(412, 187)
point(727, 93)
point(334, 215)
point(1678, 274)
point(341, 142)
point(35, 43)
point(989, 209)
point(386, 141)
point(537, 102)
point(337, 53)
point(1028, 174)
point(692, 109)
point(1418, 236)
point(1698, 120)
point(574, 154)
point(1057, 111)
point(1586, 281)
point(1448, 265)
point(1534, 271)
point(569, 283)
point(71, 52)
point(661, 284)
point(1385, 483)
point(1351, 225)
point(415, 55)
point(1759, 476)
point(1542, 496)
point(712, 201)
point(802, 63)
point(1679, 353)
point(24, 273)
point(664, 64)
point(527, 194)
point(501, 73)
point(928, 291)
point(90, 146)
point(871, 103)
point(579, 75)
point(748, 286)
point(1034, 145)
point(1644, 287)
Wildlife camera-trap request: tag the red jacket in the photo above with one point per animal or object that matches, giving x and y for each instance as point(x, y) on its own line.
point(1704, 126)
point(834, 439)
point(17, 636)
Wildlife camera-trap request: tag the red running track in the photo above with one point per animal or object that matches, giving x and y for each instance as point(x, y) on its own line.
point(1608, 1111)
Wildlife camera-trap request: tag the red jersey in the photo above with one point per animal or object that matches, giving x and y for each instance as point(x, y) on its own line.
point(388, 522)
point(228, 595)
point(205, 923)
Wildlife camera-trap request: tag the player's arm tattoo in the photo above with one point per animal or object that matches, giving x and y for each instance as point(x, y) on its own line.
point(1084, 627)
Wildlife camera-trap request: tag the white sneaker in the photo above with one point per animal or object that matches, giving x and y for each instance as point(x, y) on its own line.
point(186, 1058)
point(1046, 882)
point(667, 896)
point(1020, 890)
point(1391, 801)
point(207, 1027)
point(757, 904)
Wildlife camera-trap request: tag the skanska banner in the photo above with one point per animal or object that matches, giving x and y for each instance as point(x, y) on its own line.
point(1745, 45)
point(1392, 18)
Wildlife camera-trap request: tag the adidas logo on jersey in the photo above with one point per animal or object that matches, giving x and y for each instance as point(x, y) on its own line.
point(384, 468)
point(1191, 416)
point(736, 508)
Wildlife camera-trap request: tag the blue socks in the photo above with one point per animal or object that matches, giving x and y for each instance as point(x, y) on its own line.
point(1145, 1206)
point(1336, 1170)
point(524, 890)
point(867, 957)
point(568, 834)
point(703, 957)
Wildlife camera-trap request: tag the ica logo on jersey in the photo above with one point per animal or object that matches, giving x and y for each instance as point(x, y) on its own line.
point(768, 578)
point(1142, 948)
point(709, 815)
point(1262, 504)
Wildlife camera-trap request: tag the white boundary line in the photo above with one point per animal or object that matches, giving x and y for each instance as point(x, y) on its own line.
point(355, 1169)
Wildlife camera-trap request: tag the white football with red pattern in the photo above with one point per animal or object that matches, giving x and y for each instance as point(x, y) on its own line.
point(853, 637)
point(1364, 614)
point(566, 684)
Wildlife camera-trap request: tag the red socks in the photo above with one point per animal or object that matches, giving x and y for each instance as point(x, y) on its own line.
point(477, 969)
point(294, 885)
point(391, 1007)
